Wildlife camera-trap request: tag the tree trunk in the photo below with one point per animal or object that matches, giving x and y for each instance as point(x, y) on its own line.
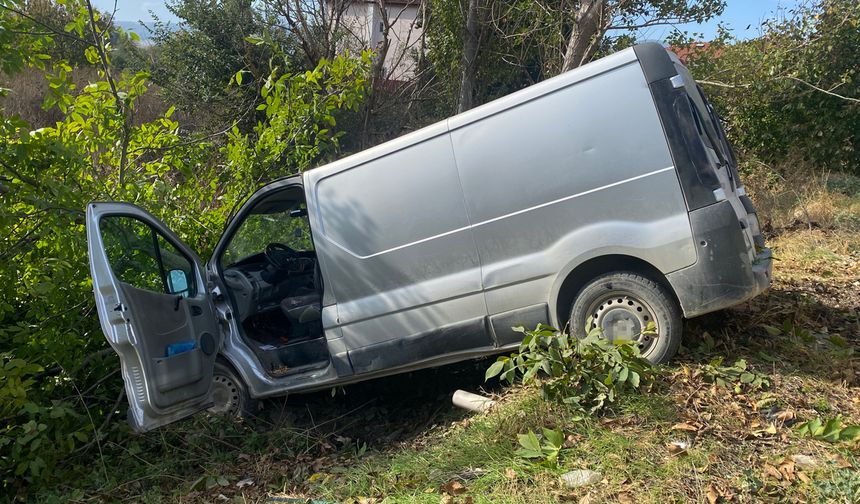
point(471, 40)
point(589, 25)
point(377, 74)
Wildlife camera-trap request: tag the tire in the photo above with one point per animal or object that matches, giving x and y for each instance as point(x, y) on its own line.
point(230, 394)
point(622, 304)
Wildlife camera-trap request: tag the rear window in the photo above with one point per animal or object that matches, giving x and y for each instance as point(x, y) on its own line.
point(707, 121)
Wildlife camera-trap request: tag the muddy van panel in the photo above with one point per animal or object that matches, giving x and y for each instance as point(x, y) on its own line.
point(724, 275)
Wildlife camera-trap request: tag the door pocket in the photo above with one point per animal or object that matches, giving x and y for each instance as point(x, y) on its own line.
point(178, 370)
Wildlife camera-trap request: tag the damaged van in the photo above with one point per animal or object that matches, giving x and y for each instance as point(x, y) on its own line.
point(605, 197)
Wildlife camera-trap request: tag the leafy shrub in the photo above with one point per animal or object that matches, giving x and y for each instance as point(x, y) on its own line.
point(791, 94)
point(588, 373)
point(59, 382)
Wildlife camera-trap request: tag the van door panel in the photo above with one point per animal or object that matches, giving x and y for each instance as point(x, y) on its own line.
point(723, 173)
point(398, 252)
point(166, 334)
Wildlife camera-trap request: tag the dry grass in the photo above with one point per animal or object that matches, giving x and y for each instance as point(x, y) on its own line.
point(818, 254)
point(804, 199)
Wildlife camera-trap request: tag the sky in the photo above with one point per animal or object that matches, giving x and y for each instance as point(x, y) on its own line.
point(744, 17)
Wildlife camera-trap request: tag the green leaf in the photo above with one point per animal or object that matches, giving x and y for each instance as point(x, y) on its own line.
point(494, 369)
point(554, 437)
point(850, 433)
point(831, 430)
point(634, 379)
point(529, 441)
point(771, 330)
point(814, 426)
point(530, 454)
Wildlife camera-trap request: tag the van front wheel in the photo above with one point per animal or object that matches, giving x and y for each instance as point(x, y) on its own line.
point(229, 395)
point(629, 306)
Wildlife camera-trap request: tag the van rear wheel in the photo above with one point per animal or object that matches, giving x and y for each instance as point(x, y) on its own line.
point(623, 305)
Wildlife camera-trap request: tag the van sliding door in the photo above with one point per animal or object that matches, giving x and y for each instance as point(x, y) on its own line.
point(395, 242)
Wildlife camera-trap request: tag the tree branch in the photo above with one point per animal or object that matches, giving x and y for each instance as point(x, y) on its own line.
point(831, 93)
point(98, 42)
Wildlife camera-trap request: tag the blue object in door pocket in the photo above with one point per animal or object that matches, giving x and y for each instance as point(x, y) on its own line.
point(181, 347)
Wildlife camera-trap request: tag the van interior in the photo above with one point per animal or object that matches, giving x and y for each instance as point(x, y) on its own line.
point(273, 279)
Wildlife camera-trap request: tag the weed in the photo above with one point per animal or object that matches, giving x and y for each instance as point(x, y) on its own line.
point(792, 331)
point(546, 449)
point(844, 486)
point(822, 405)
point(738, 376)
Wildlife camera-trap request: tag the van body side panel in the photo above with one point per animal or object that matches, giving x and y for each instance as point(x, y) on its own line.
point(580, 172)
point(399, 253)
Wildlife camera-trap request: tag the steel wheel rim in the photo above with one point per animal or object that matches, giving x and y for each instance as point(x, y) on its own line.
point(625, 309)
point(226, 396)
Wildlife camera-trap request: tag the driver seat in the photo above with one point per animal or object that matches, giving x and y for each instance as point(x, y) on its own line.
point(305, 308)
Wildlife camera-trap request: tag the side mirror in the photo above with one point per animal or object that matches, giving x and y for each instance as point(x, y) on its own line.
point(177, 282)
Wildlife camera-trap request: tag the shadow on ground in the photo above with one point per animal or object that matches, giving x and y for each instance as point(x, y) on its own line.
point(383, 411)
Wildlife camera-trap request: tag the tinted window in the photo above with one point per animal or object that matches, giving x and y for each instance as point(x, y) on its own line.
point(141, 257)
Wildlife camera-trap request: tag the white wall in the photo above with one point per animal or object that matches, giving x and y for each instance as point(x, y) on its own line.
point(363, 22)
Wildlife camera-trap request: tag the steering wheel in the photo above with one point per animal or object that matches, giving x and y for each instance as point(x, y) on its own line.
point(280, 256)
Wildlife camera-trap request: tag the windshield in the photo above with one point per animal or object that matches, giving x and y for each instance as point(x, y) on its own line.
point(277, 219)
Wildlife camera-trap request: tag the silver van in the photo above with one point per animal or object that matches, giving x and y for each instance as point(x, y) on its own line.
point(605, 197)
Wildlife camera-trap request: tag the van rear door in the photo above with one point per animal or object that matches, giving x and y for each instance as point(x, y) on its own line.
point(155, 311)
point(722, 160)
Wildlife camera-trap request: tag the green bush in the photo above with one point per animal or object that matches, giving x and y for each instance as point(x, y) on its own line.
point(59, 383)
point(588, 373)
point(792, 96)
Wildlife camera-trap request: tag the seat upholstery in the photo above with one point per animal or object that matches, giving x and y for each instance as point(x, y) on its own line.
point(302, 309)
point(307, 307)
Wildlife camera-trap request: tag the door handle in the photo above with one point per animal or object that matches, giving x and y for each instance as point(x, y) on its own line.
point(176, 303)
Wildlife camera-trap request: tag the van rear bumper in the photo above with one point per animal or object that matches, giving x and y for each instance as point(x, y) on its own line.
point(724, 275)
